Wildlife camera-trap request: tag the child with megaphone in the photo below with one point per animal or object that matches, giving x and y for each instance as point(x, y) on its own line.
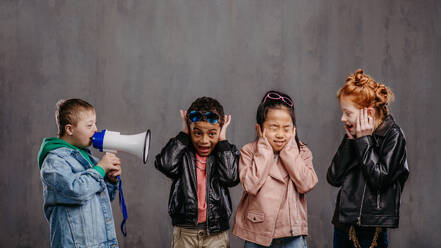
point(202, 165)
point(77, 188)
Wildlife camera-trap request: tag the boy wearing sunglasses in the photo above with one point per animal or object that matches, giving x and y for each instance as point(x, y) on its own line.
point(202, 165)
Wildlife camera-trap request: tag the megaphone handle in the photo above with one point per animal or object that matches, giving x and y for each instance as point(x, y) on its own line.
point(122, 205)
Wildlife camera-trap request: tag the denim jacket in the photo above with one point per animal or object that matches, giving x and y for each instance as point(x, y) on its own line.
point(77, 201)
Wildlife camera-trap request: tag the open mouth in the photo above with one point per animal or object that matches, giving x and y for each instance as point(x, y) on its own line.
point(349, 127)
point(204, 149)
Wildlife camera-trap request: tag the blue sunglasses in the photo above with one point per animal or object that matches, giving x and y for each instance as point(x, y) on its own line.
point(210, 117)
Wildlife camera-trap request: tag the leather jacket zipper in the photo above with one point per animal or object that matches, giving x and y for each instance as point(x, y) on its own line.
point(286, 194)
point(361, 207)
point(207, 181)
point(378, 199)
point(289, 211)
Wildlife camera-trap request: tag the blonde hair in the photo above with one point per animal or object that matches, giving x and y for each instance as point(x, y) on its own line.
point(366, 93)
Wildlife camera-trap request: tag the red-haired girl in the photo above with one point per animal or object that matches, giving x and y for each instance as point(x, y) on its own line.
point(370, 165)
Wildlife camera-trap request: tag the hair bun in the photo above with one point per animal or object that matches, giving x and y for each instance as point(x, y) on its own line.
point(383, 95)
point(359, 78)
point(382, 90)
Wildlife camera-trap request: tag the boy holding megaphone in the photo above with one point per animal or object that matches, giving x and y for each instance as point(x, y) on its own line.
point(77, 188)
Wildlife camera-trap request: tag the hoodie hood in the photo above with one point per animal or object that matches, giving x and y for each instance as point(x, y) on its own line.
point(53, 143)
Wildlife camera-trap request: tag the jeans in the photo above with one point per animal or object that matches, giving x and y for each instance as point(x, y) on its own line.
point(364, 236)
point(288, 242)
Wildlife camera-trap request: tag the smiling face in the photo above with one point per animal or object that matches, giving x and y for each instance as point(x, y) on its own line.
point(204, 136)
point(279, 128)
point(350, 112)
point(81, 133)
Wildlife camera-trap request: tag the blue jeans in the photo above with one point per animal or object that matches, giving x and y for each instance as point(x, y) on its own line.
point(288, 242)
point(341, 239)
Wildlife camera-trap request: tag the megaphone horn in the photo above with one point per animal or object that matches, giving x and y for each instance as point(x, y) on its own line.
point(109, 141)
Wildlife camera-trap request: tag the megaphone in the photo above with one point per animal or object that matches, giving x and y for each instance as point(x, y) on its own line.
point(137, 144)
point(109, 141)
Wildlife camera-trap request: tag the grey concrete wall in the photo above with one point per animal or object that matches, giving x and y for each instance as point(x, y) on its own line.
point(139, 62)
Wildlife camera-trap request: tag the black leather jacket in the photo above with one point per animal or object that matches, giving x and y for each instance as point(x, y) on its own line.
point(177, 161)
point(371, 172)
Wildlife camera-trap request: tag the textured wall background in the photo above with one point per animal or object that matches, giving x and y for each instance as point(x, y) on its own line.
point(139, 62)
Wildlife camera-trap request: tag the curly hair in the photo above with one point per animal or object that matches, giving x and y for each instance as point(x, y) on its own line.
point(67, 112)
point(206, 104)
point(366, 92)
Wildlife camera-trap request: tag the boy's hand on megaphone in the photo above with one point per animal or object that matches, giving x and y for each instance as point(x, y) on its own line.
point(109, 162)
point(114, 173)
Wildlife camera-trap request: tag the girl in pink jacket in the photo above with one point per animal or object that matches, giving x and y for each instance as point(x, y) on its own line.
point(275, 172)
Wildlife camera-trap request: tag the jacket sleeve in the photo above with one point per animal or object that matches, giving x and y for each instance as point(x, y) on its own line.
point(69, 187)
point(227, 157)
point(255, 165)
point(382, 168)
point(299, 166)
point(168, 161)
point(344, 160)
point(112, 188)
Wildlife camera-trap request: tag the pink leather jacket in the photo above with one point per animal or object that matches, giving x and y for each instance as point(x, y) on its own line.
point(273, 203)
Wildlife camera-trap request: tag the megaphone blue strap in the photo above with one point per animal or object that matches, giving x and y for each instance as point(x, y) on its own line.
point(122, 204)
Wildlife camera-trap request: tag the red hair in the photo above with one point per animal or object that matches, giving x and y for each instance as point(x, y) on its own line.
point(366, 93)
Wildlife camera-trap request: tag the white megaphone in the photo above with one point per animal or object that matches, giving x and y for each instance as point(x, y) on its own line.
point(137, 144)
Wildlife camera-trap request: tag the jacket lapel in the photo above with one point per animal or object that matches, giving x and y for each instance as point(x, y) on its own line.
point(278, 172)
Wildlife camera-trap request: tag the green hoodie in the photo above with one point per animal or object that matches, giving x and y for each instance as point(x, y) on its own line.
point(50, 144)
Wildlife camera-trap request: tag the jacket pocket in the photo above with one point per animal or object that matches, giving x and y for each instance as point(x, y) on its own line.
point(255, 216)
